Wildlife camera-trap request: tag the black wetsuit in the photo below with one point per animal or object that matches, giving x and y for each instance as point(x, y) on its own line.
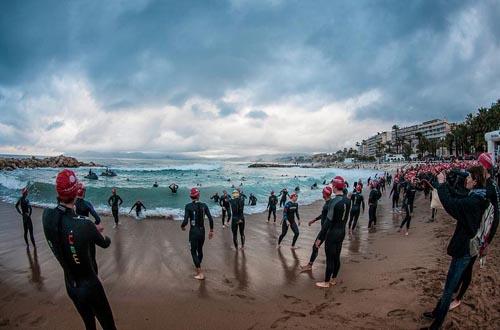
point(333, 233)
point(115, 201)
point(252, 200)
point(226, 208)
point(271, 205)
point(194, 213)
point(85, 209)
point(238, 220)
point(283, 195)
point(215, 198)
point(357, 200)
point(289, 212)
point(395, 195)
point(25, 211)
point(138, 209)
point(69, 237)
point(372, 209)
point(322, 217)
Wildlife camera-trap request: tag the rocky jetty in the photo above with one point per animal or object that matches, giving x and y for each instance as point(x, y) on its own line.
point(9, 164)
point(258, 165)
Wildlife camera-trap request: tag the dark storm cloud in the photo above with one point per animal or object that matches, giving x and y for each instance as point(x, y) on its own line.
point(425, 58)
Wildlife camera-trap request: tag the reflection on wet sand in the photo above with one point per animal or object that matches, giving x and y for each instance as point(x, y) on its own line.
point(36, 276)
point(240, 269)
point(290, 272)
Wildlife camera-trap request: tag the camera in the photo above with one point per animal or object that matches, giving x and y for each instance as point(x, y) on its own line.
point(455, 179)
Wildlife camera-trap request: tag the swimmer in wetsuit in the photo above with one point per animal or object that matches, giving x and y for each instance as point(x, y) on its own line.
point(26, 211)
point(289, 212)
point(237, 218)
point(194, 213)
point(85, 209)
point(333, 232)
point(115, 201)
point(215, 197)
point(226, 208)
point(252, 200)
point(138, 206)
point(283, 195)
point(327, 193)
point(155, 185)
point(70, 238)
point(173, 187)
point(357, 200)
point(271, 206)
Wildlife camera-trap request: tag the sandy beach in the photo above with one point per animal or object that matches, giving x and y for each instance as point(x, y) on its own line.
point(386, 280)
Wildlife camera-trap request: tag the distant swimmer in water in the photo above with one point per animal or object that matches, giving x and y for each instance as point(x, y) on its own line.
point(290, 211)
point(327, 194)
point(25, 211)
point(314, 186)
point(173, 187)
point(115, 201)
point(242, 195)
point(194, 213)
point(138, 206)
point(324, 182)
point(297, 189)
point(155, 185)
point(271, 206)
point(215, 197)
point(252, 200)
point(237, 218)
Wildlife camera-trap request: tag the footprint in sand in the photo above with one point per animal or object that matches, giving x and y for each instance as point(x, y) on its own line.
point(319, 308)
point(242, 296)
point(284, 319)
point(38, 321)
point(361, 290)
point(398, 313)
point(295, 299)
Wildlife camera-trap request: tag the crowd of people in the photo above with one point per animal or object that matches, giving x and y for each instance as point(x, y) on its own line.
point(467, 191)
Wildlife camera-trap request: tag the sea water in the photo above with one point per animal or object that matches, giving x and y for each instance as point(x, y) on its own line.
point(135, 179)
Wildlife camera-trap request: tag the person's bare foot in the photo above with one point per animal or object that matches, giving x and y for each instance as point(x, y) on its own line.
point(306, 268)
point(323, 285)
point(454, 304)
point(333, 282)
point(407, 233)
point(200, 277)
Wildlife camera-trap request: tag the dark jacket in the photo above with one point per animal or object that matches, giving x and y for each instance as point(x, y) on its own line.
point(468, 212)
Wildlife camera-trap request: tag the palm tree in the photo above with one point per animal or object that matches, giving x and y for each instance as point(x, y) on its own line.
point(395, 128)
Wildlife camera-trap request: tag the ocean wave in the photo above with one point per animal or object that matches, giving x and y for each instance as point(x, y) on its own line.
point(11, 182)
point(190, 167)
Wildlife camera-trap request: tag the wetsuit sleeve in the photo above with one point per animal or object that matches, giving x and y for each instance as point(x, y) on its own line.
point(109, 201)
point(186, 217)
point(121, 201)
point(133, 206)
point(97, 238)
point(326, 226)
point(94, 213)
point(209, 216)
point(297, 212)
point(392, 190)
point(17, 206)
point(285, 212)
point(268, 203)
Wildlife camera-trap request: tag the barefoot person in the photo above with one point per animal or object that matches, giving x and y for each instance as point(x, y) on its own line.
point(194, 213)
point(468, 212)
point(289, 212)
point(333, 232)
point(115, 201)
point(237, 218)
point(327, 194)
point(70, 238)
point(25, 211)
point(372, 204)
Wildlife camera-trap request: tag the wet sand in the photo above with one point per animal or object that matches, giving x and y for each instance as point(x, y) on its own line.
point(386, 280)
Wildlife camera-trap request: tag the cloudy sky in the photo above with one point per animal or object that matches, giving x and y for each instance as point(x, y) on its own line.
point(237, 77)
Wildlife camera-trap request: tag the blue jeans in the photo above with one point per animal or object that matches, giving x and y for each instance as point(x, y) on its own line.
point(457, 268)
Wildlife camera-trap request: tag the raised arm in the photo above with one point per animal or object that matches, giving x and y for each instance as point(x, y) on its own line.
point(94, 213)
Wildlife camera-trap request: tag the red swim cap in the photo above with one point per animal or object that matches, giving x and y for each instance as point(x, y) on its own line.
point(359, 188)
point(338, 182)
point(67, 185)
point(195, 193)
point(293, 195)
point(485, 160)
point(327, 191)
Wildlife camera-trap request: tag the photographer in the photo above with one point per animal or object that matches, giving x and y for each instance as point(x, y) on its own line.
point(468, 212)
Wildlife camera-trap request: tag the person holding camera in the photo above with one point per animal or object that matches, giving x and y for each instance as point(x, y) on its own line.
point(468, 212)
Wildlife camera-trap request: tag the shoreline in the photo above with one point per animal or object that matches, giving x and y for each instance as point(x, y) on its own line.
point(147, 274)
